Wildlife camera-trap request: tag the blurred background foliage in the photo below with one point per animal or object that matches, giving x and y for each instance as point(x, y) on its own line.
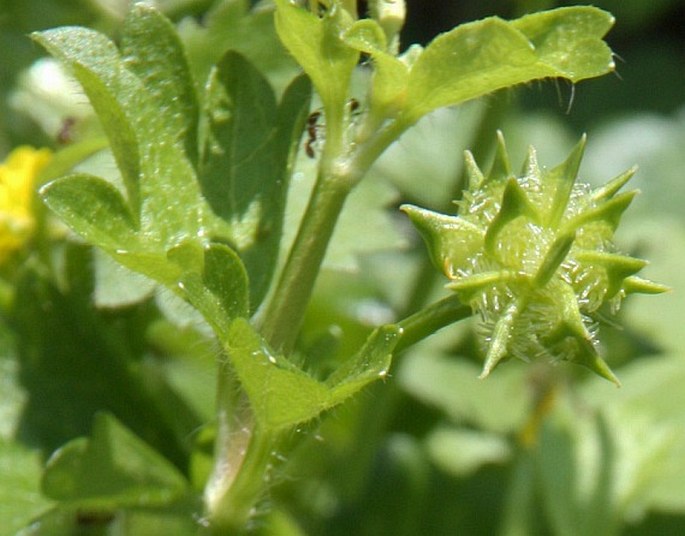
point(432, 450)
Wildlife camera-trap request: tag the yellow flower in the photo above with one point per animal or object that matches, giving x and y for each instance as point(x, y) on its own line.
point(17, 179)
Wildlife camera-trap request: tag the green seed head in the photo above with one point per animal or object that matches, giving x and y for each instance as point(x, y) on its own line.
point(534, 256)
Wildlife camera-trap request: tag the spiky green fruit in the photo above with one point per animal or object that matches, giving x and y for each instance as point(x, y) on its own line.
point(535, 258)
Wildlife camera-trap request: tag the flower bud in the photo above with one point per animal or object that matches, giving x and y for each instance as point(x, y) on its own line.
point(534, 256)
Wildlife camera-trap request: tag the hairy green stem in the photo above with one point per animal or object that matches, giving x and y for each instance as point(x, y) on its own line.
point(245, 454)
point(233, 510)
point(286, 310)
point(244, 458)
point(233, 435)
point(425, 322)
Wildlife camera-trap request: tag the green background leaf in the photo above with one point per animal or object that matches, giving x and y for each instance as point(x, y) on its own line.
point(20, 498)
point(110, 470)
point(247, 160)
point(232, 25)
point(112, 368)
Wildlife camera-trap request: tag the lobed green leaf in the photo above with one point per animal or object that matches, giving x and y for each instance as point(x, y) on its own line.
point(282, 395)
point(160, 180)
point(147, 104)
point(480, 57)
point(569, 40)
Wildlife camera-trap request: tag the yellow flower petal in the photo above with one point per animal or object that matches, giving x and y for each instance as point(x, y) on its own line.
point(17, 181)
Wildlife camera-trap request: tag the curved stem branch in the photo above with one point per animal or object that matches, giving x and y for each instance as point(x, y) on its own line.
point(425, 322)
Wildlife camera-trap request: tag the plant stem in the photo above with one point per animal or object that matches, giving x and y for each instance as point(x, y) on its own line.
point(286, 310)
point(245, 453)
point(426, 322)
point(370, 150)
point(244, 456)
point(338, 175)
point(234, 509)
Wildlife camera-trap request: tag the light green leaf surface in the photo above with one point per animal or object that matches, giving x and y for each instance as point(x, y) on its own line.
point(557, 480)
point(162, 66)
point(112, 469)
point(112, 91)
point(569, 40)
point(162, 189)
point(94, 208)
point(461, 452)
point(646, 422)
point(218, 287)
point(480, 57)
point(280, 394)
point(117, 286)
